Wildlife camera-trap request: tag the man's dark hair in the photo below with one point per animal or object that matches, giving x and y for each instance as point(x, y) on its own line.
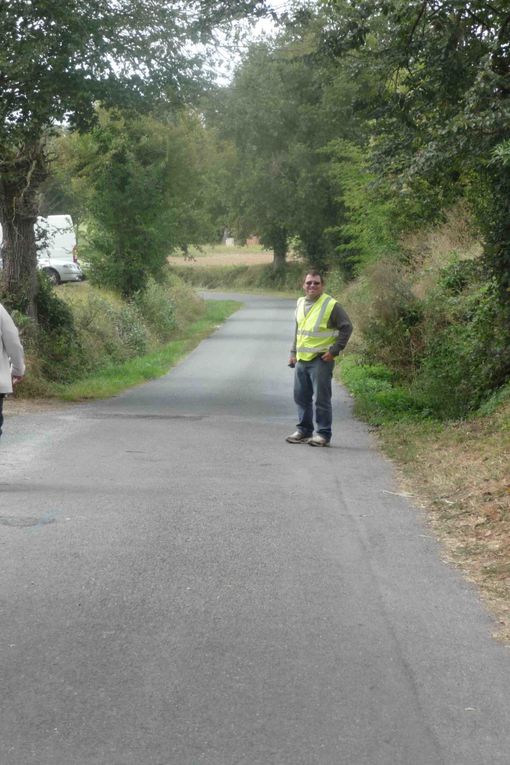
point(314, 272)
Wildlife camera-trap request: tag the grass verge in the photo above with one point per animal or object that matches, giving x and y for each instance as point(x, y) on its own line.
point(378, 399)
point(113, 379)
point(456, 471)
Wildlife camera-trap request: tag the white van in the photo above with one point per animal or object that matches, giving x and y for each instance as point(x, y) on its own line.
point(56, 248)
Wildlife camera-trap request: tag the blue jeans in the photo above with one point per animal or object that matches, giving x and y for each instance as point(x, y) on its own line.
point(312, 384)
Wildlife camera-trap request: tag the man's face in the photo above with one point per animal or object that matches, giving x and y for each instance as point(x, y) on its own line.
point(313, 286)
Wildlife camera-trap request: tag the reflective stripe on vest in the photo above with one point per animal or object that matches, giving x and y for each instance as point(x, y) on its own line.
point(313, 336)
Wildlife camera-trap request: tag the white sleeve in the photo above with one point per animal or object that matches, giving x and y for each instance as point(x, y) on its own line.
point(12, 344)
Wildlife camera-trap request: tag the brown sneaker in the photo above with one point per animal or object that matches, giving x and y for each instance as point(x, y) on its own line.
point(298, 438)
point(317, 441)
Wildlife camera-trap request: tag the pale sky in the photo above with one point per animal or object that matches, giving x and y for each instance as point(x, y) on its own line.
point(229, 55)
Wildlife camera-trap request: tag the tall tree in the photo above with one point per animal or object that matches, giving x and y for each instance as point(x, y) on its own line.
point(260, 120)
point(143, 184)
point(58, 59)
point(287, 102)
point(443, 108)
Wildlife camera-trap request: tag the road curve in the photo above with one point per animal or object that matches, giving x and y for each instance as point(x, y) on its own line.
point(180, 586)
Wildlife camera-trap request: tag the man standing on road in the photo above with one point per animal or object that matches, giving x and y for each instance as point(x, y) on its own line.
point(322, 331)
point(12, 362)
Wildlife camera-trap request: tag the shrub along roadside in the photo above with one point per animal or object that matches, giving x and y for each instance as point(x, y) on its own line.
point(378, 397)
point(443, 332)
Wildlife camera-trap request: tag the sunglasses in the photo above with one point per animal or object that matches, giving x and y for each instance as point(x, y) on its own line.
point(309, 284)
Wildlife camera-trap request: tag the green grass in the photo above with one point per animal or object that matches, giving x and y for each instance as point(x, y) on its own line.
point(378, 398)
point(113, 379)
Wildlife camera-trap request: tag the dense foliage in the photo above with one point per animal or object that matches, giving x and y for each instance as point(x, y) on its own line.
point(141, 186)
point(58, 60)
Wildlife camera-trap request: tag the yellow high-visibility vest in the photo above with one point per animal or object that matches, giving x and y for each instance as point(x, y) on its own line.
point(313, 336)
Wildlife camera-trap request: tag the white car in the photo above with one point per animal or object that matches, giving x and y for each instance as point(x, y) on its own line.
point(58, 272)
point(56, 249)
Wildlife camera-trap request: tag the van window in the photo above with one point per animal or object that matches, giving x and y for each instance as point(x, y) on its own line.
point(56, 238)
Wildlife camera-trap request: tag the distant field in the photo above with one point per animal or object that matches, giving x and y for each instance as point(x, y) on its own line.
point(220, 255)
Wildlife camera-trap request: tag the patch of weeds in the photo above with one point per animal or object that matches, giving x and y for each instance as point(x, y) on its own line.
point(468, 551)
point(497, 569)
point(157, 309)
point(495, 402)
point(378, 397)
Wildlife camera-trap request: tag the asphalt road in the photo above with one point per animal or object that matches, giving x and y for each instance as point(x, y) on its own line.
point(180, 586)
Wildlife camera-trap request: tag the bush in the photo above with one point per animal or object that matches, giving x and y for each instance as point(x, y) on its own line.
point(379, 397)
point(459, 275)
point(466, 355)
point(56, 342)
point(388, 315)
point(53, 314)
point(132, 332)
point(109, 328)
point(157, 308)
point(449, 350)
point(188, 305)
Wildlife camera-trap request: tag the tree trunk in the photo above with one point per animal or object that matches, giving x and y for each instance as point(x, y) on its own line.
point(20, 178)
point(279, 240)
